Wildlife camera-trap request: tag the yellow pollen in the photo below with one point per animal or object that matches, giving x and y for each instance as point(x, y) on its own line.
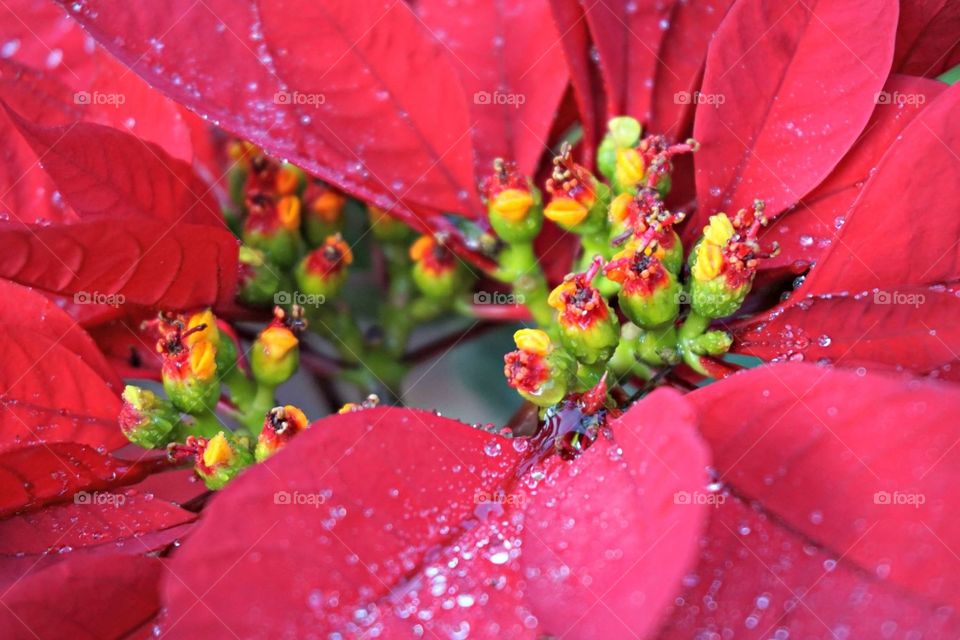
point(277, 341)
point(629, 169)
point(288, 212)
point(709, 261)
point(566, 211)
point(217, 452)
point(719, 230)
point(555, 299)
point(532, 341)
point(203, 359)
point(295, 416)
point(512, 204)
point(420, 248)
point(618, 208)
point(209, 333)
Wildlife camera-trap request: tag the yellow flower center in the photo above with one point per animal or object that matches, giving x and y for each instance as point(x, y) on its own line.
point(420, 248)
point(532, 341)
point(566, 211)
point(629, 169)
point(719, 230)
point(288, 177)
point(328, 206)
point(555, 299)
point(716, 235)
point(277, 342)
point(209, 333)
point(217, 452)
point(512, 204)
point(619, 208)
point(203, 359)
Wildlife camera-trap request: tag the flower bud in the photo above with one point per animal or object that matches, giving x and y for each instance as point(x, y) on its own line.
point(147, 419)
point(387, 229)
point(274, 228)
point(226, 348)
point(589, 328)
point(724, 262)
point(649, 293)
point(578, 201)
point(645, 218)
point(437, 272)
point(189, 368)
point(220, 459)
point(513, 205)
point(622, 133)
point(290, 179)
point(280, 425)
point(259, 280)
point(324, 212)
point(539, 371)
point(324, 270)
point(275, 354)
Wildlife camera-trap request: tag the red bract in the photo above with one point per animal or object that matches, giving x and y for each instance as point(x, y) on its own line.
point(836, 518)
point(460, 532)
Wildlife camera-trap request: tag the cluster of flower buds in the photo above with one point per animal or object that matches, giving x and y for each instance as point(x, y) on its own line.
point(199, 363)
point(631, 253)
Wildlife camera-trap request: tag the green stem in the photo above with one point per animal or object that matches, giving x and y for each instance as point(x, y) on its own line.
point(205, 425)
point(694, 326)
point(520, 268)
point(263, 400)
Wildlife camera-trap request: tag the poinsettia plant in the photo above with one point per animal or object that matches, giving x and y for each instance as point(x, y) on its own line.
point(237, 234)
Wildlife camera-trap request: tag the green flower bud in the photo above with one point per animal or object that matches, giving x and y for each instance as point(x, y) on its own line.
point(147, 419)
point(324, 270)
point(189, 369)
point(324, 213)
point(274, 228)
point(221, 458)
point(589, 329)
point(540, 372)
point(275, 354)
point(649, 293)
point(259, 280)
point(437, 272)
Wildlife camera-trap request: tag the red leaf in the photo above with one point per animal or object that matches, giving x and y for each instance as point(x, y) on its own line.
point(606, 541)
point(627, 37)
point(86, 598)
point(838, 512)
point(136, 261)
point(29, 310)
point(103, 171)
point(681, 57)
point(48, 394)
point(585, 78)
point(806, 231)
point(927, 37)
point(34, 476)
point(422, 545)
point(919, 220)
point(363, 87)
point(505, 58)
point(775, 124)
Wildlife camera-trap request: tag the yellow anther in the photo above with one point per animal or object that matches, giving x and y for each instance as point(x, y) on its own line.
point(288, 212)
point(566, 211)
point(619, 208)
point(512, 204)
point(217, 452)
point(532, 341)
point(203, 359)
point(629, 169)
point(277, 341)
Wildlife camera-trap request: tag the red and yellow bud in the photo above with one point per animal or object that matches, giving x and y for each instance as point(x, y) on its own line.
point(289, 179)
point(578, 200)
point(147, 419)
point(539, 371)
point(219, 459)
point(589, 328)
point(189, 368)
point(623, 133)
point(259, 280)
point(273, 226)
point(324, 270)
point(437, 271)
point(513, 205)
point(275, 355)
point(649, 293)
point(324, 212)
point(280, 425)
point(724, 262)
